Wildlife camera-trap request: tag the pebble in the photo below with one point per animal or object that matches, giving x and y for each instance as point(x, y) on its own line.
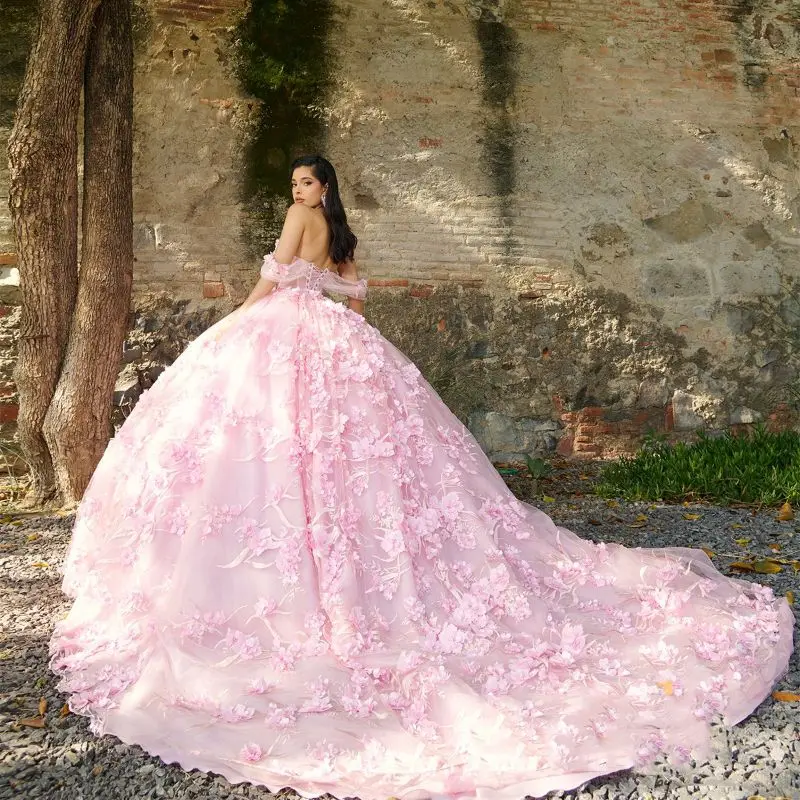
point(65, 761)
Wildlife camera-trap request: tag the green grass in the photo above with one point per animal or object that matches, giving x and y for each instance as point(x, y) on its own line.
point(763, 468)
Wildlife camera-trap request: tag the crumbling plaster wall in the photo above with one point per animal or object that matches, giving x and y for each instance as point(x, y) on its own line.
point(580, 218)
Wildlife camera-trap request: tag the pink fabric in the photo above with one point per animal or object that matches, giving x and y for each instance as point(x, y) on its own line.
point(294, 566)
point(305, 275)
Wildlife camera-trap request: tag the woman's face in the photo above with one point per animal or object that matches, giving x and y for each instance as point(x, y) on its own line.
point(306, 189)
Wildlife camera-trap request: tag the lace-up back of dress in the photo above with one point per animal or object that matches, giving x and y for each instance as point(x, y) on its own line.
point(314, 277)
point(304, 274)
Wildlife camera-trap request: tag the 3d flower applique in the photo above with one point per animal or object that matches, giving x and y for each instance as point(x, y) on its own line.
point(251, 752)
point(260, 686)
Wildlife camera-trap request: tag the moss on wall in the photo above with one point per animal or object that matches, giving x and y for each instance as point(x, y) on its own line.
point(282, 60)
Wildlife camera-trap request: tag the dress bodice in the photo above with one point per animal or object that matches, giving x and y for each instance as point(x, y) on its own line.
point(307, 275)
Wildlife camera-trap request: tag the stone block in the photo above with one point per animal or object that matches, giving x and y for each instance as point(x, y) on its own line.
point(757, 277)
point(507, 439)
point(757, 235)
point(676, 279)
point(763, 358)
point(689, 221)
point(745, 416)
point(131, 354)
point(742, 320)
point(127, 388)
point(684, 416)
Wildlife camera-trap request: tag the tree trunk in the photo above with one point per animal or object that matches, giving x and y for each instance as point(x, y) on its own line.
point(42, 152)
point(78, 423)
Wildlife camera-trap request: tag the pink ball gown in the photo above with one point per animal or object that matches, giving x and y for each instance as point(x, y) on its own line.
point(294, 566)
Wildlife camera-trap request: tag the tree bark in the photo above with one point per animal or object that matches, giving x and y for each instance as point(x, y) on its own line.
point(78, 423)
point(43, 192)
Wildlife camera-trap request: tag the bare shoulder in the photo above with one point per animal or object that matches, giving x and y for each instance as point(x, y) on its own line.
point(299, 212)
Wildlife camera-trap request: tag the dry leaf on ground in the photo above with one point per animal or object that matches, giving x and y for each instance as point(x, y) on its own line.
point(31, 722)
point(787, 697)
point(762, 566)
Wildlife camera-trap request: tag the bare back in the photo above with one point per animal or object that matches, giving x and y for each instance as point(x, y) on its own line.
point(315, 241)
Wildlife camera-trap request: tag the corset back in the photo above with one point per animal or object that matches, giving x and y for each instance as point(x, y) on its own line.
point(304, 274)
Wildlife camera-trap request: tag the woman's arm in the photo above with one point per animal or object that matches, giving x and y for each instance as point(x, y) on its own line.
point(288, 245)
point(292, 234)
point(349, 271)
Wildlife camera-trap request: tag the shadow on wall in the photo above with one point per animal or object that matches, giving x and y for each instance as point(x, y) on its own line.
point(281, 60)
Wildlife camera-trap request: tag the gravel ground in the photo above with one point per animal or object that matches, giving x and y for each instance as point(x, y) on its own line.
point(760, 757)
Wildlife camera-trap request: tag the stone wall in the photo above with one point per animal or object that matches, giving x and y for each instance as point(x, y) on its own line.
point(615, 184)
point(579, 218)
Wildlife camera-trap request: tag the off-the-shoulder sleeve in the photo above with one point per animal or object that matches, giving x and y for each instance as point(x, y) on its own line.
point(361, 289)
point(271, 270)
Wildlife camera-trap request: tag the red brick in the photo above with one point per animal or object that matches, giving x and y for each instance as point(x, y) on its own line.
point(213, 289)
point(8, 259)
point(9, 412)
point(387, 282)
point(426, 142)
point(564, 446)
point(421, 291)
point(588, 449)
point(547, 26)
point(669, 418)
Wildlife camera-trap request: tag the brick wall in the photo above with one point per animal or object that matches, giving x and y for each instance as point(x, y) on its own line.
point(592, 207)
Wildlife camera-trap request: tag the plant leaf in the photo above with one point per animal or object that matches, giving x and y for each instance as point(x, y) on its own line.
point(692, 516)
point(42, 706)
point(785, 513)
point(709, 553)
point(548, 499)
point(790, 597)
point(64, 711)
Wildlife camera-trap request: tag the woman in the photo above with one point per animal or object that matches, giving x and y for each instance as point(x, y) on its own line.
point(294, 566)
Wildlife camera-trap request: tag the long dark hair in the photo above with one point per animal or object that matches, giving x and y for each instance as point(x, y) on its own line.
point(343, 240)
